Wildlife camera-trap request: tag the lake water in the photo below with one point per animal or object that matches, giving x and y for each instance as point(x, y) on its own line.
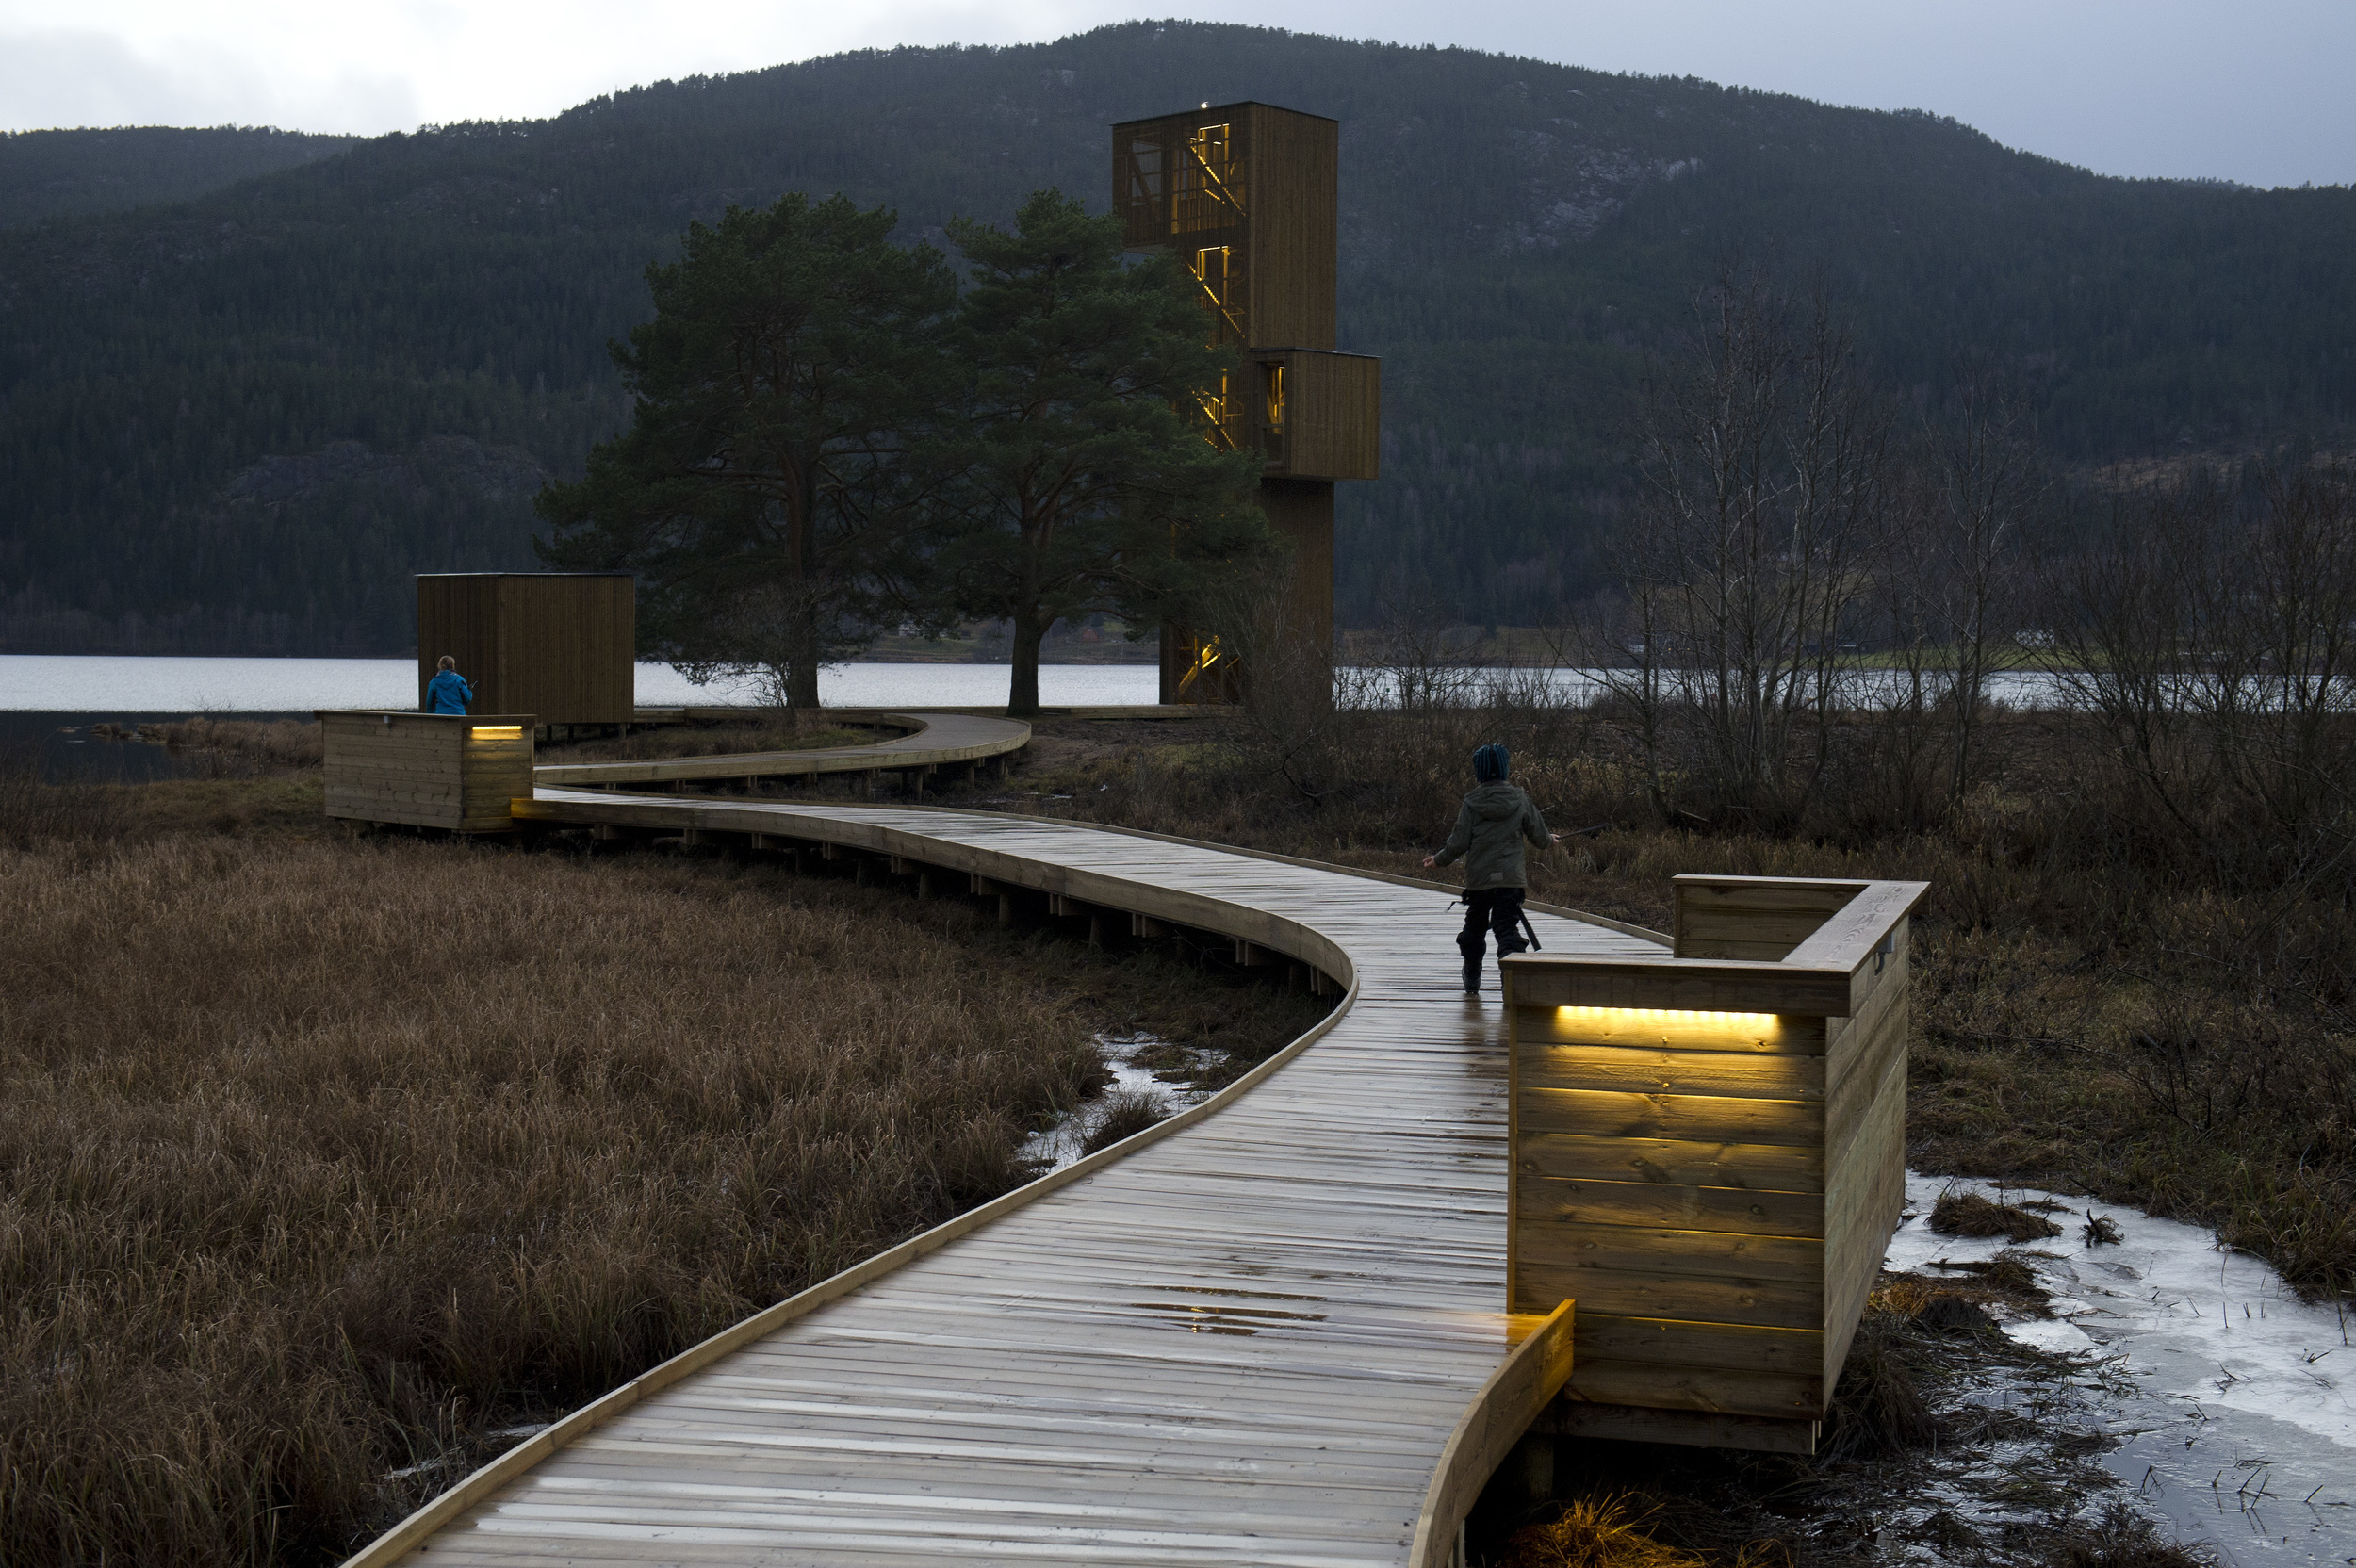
point(100, 684)
point(62, 683)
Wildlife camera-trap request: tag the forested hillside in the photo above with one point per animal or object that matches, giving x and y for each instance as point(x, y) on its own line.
point(46, 174)
point(238, 424)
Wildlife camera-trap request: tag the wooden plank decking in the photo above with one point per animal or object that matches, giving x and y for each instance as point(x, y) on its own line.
point(936, 740)
point(1248, 1340)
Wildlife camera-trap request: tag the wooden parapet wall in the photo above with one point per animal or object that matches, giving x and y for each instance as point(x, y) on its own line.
point(1709, 1154)
point(454, 771)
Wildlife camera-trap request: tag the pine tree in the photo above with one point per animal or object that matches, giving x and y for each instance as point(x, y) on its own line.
point(791, 350)
point(1080, 480)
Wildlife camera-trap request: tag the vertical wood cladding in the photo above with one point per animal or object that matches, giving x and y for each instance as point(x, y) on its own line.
point(559, 644)
point(1714, 1188)
point(1302, 510)
point(1246, 195)
point(1330, 426)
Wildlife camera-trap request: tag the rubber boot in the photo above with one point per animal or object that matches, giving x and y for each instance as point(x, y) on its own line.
point(1471, 947)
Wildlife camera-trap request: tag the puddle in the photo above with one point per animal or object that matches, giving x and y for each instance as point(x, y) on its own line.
point(2232, 1402)
point(1051, 1149)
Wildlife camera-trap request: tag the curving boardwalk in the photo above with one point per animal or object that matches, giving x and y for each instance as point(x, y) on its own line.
point(936, 741)
point(1244, 1341)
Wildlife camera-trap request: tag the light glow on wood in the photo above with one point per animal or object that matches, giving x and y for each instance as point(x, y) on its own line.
point(498, 729)
point(1681, 1017)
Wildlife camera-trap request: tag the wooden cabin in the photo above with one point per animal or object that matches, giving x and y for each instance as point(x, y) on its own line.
point(558, 644)
point(1708, 1156)
point(454, 771)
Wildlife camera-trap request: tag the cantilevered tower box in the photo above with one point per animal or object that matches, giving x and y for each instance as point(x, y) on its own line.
point(1246, 195)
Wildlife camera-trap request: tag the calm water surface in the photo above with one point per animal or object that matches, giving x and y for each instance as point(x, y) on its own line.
point(107, 685)
point(98, 685)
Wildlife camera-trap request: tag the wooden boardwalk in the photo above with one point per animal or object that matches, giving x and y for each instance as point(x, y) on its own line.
point(1245, 1340)
point(936, 741)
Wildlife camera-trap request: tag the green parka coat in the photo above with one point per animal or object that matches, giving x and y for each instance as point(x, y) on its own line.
point(1490, 828)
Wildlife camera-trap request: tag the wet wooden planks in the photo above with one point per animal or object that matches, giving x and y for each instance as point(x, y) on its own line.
point(936, 740)
point(1246, 1341)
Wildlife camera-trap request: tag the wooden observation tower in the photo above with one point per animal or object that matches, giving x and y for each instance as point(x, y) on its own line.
point(1246, 195)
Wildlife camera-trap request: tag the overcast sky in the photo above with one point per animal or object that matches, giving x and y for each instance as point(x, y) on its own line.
point(2255, 90)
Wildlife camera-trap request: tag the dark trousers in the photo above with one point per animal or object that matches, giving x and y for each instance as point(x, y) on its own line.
point(1495, 912)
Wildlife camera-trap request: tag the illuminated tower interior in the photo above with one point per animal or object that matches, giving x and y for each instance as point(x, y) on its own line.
point(1246, 195)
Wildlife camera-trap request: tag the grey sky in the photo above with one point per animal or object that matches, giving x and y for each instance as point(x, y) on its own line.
point(2256, 91)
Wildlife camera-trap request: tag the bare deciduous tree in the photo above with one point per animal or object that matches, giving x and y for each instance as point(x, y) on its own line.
point(2214, 637)
point(1765, 476)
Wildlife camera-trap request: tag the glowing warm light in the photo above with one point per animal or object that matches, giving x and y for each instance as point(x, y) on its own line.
point(1215, 410)
point(498, 729)
point(1685, 1016)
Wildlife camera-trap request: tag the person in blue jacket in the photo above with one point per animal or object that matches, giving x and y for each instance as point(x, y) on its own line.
point(447, 692)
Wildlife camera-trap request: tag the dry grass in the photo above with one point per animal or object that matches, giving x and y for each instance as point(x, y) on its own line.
point(279, 742)
point(33, 812)
point(1597, 1532)
point(1967, 1214)
point(325, 1160)
point(1126, 1113)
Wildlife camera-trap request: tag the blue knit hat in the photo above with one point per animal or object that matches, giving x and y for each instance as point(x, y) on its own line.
point(1490, 765)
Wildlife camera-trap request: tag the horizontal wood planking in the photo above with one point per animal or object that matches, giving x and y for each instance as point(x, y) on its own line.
point(1720, 1389)
point(1761, 1166)
point(1692, 1428)
point(1674, 1342)
point(1612, 1138)
point(1746, 1075)
point(1749, 917)
point(452, 771)
point(1651, 1253)
point(1700, 1298)
point(1568, 1202)
point(1689, 1117)
point(1865, 1063)
point(1729, 986)
point(1741, 934)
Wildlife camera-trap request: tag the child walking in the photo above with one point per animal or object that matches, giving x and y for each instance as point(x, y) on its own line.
point(1490, 829)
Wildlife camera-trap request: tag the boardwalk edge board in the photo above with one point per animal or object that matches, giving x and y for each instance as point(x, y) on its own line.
point(1521, 1387)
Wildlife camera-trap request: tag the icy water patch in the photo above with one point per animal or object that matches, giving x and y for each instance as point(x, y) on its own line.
point(1055, 1147)
point(2232, 1402)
